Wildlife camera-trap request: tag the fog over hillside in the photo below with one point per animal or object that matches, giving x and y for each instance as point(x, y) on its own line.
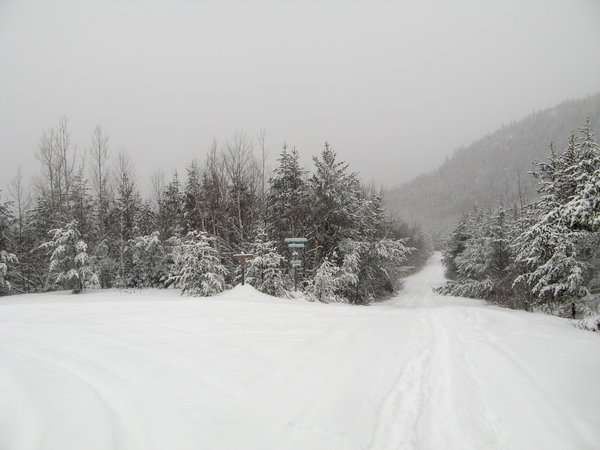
point(393, 86)
point(491, 169)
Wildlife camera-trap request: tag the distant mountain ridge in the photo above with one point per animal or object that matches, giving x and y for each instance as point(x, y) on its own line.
point(491, 169)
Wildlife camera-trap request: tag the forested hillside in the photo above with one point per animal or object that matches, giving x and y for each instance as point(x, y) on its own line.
point(545, 255)
point(493, 168)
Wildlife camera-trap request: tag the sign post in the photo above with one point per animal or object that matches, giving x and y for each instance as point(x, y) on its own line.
point(295, 263)
point(241, 258)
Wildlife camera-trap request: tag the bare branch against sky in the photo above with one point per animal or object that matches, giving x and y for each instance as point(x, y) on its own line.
point(393, 86)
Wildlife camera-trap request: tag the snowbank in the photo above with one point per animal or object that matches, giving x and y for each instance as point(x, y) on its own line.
point(153, 370)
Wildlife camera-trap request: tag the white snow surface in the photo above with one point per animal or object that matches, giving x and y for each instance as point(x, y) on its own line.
point(153, 370)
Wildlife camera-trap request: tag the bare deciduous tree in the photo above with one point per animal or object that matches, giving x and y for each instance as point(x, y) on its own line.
point(21, 199)
point(58, 167)
point(157, 183)
point(239, 162)
point(66, 160)
point(99, 172)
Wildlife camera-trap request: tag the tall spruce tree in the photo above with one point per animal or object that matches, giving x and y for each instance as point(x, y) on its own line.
point(335, 200)
point(170, 210)
point(147, 262)
point(6, 218)
point(560, 250)
point(193, 214)
point(288, 199)
point(69, 260)
point(6, 258)
point(124, 213)
point(99, 177)
point(481, 267)
point(196, 266)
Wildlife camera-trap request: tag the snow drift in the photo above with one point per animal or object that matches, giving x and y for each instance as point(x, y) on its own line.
point(242, 370)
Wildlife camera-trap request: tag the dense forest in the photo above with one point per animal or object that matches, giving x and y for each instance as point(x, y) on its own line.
point(83, 223)
point(492, 169)
point(544, 254)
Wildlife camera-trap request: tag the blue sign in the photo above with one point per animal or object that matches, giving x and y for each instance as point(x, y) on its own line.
point(296, 245)
point(295, 239)
point(296, 263)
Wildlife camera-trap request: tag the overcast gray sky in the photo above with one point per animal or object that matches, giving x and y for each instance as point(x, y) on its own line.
point(393, 86)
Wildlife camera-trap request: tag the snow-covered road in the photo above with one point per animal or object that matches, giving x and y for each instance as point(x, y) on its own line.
point(152, 370)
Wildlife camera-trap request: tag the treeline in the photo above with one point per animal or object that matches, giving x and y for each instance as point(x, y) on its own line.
point(545, 254)
point(84, 223)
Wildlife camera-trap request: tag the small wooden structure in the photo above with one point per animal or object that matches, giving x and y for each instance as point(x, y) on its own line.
point(242, 258)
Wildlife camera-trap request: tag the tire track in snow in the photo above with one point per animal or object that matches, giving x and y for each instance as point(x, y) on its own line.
point(424, 408)
point(21, 414)
point(402, 408)
point(148, 395)
point(105, 405)
point(307, 374)
point(126, 431)
point(419, 372)
point(513, 364)
point(473, 421)
point(373, 397)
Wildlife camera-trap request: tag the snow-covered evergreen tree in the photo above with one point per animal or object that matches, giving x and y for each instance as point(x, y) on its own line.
point(214, 198)
point(103, 265)
point(196, 267)
point(325, 285)
point(69, 260)
point(549, 256)
point(100, 182)
point(372, 261)
point(559, 251)
point(335, 201)
point(6, 218)
point(479, 256)
point(147, 262)
point(456, 242)
point(123, 216)
point(264, 271)
point(170, 210)
point(288, 199)
point(81, 205)
point(193, 214)
point(226, 197)
point(6, 259)
point(145, 222)
point(371, 268)
point(582, 210)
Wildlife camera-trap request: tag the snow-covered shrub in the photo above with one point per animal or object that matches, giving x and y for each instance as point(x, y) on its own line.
point(196, 267)
point(368, 269)
point(264, 270)
point(467, 288)
point(591, 323)
point(478, 257)
point(69, 259)
point(457, 240)
point(147, 262)
point(103, 265)
point(5, 259)
point(371, 268)
point(325, 285)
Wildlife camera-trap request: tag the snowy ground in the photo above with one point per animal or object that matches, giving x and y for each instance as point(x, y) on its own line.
point(152, 370)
